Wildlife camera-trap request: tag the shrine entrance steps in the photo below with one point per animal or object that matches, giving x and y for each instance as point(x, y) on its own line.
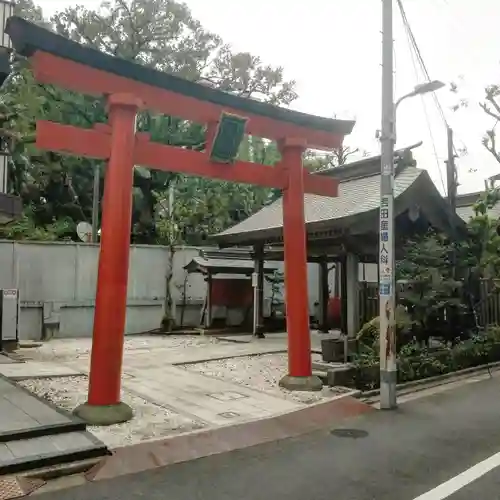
point(35, 434)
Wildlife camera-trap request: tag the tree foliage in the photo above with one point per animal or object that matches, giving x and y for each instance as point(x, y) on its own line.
point(431, 290)
point(479, 255)
point(161, 34)
point(443, 276)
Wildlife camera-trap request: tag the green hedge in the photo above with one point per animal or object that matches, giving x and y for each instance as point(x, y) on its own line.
point(416, 363)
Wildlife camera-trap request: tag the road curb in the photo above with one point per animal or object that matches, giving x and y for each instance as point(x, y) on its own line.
point(433, 381)
point(192, 446)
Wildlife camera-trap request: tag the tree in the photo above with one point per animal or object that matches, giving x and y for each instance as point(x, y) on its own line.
point(479, 256)
point(29, 11)
point(156, 33)
point(337, 158)
point(491, 106)
point(431, 293)
point(276, 281)
point(445, 276)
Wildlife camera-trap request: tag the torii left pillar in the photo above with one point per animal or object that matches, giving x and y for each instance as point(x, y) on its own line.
point(104, 405)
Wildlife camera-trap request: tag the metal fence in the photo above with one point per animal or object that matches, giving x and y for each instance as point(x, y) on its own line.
point(368, 302)
point(488, 310)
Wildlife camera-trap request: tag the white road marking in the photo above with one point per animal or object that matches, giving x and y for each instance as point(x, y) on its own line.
point(458, 482)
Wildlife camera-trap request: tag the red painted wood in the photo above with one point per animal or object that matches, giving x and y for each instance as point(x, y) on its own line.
point(233, 293)
point(90, 143)
point(74, 76)
point(111, 296)
point(294, 232)
point(334, 311)
point(95, 143)
point(173, 159)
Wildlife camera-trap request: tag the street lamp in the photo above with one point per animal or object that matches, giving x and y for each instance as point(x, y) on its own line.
point(421, 89)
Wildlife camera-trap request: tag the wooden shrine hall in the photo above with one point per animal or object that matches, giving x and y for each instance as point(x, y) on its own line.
point(344, 230)
point(228, 274)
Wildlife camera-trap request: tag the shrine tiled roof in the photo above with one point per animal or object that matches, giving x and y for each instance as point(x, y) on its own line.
point(359, 196)
point(238, 261)
point(355, 197)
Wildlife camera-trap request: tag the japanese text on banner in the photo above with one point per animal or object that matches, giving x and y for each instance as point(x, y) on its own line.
point(385, 270)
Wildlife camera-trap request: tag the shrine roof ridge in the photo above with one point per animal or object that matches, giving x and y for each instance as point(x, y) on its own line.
point(363, 167)
point(28, 38)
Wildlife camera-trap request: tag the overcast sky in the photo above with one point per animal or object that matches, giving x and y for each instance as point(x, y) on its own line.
point(332, 48)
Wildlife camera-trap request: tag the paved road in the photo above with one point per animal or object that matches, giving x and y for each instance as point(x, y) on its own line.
point(401, 455)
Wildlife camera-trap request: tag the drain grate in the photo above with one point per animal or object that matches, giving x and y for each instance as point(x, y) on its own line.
point(15, 487)
point(349, 433)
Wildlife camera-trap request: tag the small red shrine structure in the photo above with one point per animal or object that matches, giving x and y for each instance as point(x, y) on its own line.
point(129, 88)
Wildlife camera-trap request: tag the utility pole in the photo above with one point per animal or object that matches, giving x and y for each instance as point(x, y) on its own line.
point(451, 172)
point(387, 282)
point(451, 181)
point(95, 203)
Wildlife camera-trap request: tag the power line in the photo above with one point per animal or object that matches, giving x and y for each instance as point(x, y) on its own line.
point(423, 66)
point(460, 31)
point(415, 54)
point(420, 59)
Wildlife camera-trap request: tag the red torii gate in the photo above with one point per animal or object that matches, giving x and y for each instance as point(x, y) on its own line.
point(130, 87)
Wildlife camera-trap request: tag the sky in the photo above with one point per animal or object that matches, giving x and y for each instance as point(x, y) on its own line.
point(332, 49)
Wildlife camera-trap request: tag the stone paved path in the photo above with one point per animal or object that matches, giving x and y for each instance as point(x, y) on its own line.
point(165, 376)
point(215, 402)
point(19, 411)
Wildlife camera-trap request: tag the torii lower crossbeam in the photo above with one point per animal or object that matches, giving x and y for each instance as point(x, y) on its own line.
point(96, 143)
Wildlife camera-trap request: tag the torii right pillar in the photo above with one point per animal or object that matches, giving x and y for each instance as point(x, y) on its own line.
point(299, 377)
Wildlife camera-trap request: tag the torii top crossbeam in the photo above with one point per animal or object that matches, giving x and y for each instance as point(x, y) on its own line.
point(130, 87)
point(59, 61)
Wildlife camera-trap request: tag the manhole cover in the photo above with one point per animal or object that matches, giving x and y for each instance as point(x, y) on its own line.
point(349, 433)
point(229, 414)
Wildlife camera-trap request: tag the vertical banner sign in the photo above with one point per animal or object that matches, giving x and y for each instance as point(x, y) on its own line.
point(385, 266)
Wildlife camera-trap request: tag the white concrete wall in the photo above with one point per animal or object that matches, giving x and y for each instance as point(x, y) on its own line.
point(57, 283)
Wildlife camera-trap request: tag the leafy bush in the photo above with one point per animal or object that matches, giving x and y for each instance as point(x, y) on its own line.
point(416, 363)
point(369, 335)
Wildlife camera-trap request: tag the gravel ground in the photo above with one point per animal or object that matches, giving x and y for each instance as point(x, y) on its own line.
point(262, 373)
point(64, 350)
point(150, 421)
